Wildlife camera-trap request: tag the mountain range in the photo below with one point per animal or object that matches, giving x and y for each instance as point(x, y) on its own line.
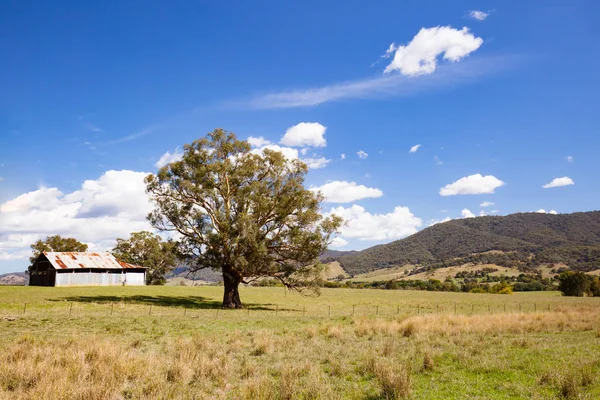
point(523, 241)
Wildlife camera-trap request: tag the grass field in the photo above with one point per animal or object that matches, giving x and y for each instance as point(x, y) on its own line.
point(175, 343)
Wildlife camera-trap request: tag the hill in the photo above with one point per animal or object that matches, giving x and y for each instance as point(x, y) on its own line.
point(522, 241)
point(14, 279)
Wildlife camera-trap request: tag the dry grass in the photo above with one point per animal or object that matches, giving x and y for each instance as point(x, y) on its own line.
point(289, 356)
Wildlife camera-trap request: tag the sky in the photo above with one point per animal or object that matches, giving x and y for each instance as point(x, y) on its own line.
point(408, 113)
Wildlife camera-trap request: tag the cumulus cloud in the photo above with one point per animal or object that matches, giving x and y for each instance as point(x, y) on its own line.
point(542, 211)
point(558, 182)
point(316, 162)
point(569, 159)
point(361, 154)
point(258, 141)
point(288, 152)
point(414, 148)
point(479, 15)
point(472, 184)
point(309, 134)
point(437, 161)
point(362, 225)
point(342, 156)
point(419, 57)
point(439, 221)
point(100, 211)
point(466, 213)
point(338, 242)
point(346, 192)
point(168, 158)
point(486, 204)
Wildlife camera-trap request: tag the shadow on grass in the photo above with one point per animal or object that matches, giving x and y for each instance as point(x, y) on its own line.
point(194, 302)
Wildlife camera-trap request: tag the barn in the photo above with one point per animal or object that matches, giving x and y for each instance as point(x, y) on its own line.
point(84, 269)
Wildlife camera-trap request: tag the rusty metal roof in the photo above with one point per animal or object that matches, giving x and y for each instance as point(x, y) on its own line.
point(77, 260)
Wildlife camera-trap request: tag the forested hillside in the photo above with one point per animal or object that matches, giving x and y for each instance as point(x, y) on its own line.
point(522, 240)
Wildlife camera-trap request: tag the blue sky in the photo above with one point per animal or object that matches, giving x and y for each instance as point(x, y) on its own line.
point(93, 94)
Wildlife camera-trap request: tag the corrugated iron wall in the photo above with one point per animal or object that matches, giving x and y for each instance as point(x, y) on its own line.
point(100, 279)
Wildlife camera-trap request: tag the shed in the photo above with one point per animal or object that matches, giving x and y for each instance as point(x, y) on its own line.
point(84, 269)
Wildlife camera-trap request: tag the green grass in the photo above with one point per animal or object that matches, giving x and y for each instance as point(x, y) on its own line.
point(175, 342)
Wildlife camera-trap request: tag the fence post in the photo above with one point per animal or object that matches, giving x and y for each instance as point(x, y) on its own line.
point(329, 311)
point(70, 309)
point(535, 307)
point(24, 308)
point(184, 311)
point(377, 310)
point(248, 311)
point(353, 309)
point(419, 309)
point(150, 310)
point(398, 309)
point(112, 306)
point(519, 307)
point(504, 307)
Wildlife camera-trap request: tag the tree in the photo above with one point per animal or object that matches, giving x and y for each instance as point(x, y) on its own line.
point(247, 215)
point(574, 283)
point(55, 243)
point(148, 250)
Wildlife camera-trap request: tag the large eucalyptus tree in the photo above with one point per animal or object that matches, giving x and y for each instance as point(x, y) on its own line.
point(245, 214)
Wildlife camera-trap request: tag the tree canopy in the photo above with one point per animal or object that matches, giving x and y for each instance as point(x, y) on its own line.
point(243, 213)
point(55, 243)
point(148, 250)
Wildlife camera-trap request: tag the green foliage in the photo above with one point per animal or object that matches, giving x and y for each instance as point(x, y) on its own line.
point(148, 250)
point(245, 214)
point(574, 283)
point(55, 243)
point(521, 241)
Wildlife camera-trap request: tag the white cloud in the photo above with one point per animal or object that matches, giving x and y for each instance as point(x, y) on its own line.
point(362, 225)
point(258, 141)
point(558, 182)
point(346, 192)
point(482, 213)
point(1, 179)
point(420, 55)
point(288, 152)
point(447, 75)
point(414, 148)
point(569, 159)
point(466, 213)
point(100, 211)
point(437, 221)
point(343, 156)
point(308, 134)
point(478, 15)
point(304, 151)
point(472, 184)
point(486, 204)
point(338, 242)
point(316, 162)
point(542, 211)
point(361, 154)
point(168, 158)
point(437, 161)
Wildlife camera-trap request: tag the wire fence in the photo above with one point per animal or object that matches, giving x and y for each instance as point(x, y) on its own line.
point(75, 309)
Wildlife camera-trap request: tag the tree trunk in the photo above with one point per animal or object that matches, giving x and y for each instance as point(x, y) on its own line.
point(231, 296)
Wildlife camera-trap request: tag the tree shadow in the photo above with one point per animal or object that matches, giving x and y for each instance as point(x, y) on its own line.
point(193, 302)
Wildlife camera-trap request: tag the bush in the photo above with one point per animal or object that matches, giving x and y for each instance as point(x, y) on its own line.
point(574, 283)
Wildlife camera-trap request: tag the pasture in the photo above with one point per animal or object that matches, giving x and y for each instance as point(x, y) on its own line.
point(176, 343)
